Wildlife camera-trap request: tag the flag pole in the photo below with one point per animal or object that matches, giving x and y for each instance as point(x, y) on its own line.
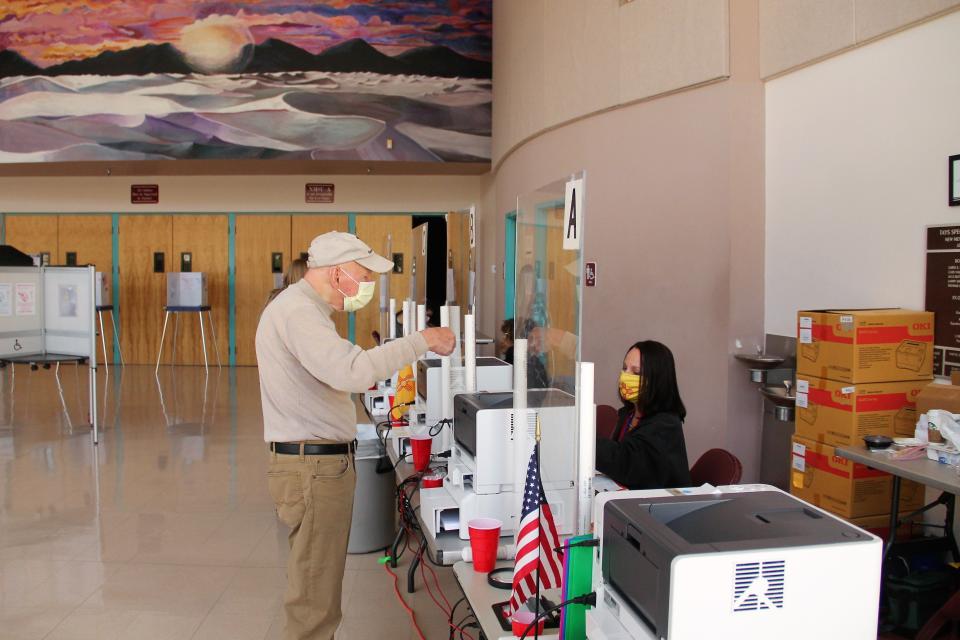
point(536, 453)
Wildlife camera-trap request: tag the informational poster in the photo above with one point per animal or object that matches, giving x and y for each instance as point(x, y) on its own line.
point(6, 299)
point(572, 213)
point(943, 296)
point(68, 301)
point(26, 298)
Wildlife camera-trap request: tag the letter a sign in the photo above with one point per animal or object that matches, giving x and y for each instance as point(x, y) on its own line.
point(572, 215)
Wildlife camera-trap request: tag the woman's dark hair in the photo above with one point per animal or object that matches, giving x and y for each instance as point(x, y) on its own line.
point(659, 392)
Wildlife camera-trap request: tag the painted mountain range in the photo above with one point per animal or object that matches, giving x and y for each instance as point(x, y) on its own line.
point(271, 56)
point(405, 80)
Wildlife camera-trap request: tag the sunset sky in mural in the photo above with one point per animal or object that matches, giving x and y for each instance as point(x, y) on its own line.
point(51, 32)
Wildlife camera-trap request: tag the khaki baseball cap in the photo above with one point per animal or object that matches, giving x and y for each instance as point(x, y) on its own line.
point(337, 247)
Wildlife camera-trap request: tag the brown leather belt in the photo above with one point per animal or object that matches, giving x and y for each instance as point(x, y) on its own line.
point(293, 448)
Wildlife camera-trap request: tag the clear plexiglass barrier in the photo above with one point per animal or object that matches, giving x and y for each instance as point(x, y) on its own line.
point(548, 281)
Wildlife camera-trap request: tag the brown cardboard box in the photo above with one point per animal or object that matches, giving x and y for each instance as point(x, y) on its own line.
point(865, 345)
point(843, 487)
point(840, 414)
point(939, 396)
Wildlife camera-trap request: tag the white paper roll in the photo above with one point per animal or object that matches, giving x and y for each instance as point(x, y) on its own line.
point(446, 394)
point(393, 318)
point(457, 356)
point(421, 317)
point(520, 453)
point(406, 318)
point(586, 441)
point(470, 352)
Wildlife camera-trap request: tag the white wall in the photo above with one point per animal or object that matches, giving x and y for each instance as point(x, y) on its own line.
point(856, 167)
point(558, 60)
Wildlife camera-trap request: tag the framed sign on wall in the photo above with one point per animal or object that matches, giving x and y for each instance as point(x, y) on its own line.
point(954, 181)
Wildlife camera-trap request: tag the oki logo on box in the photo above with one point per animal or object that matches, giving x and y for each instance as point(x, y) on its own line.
point(922, 326)
point(840, 462)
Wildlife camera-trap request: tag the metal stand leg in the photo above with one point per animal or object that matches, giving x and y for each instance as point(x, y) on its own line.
point(176, 333)
point(894, 516)
point(103, 342)
point(203, 341)
point(213, 332)
point(116, 336)
point(951, 502)
point(93, 404)
point(163, 335)
point(395, 547)
point(412, 571)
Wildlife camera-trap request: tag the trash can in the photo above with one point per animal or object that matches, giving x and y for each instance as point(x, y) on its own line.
point(374, 501)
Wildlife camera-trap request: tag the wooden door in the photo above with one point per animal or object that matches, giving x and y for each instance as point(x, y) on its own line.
point(257, 237)
point(91, 239)
point(459, 259)
point(303, 229)
point(373, 229)
point(33, 233)
point(205, 238)
point(562, 275)
point(143, 291)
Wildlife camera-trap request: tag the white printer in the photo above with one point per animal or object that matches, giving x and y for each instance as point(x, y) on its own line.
point(746, 562)
point(480, 479)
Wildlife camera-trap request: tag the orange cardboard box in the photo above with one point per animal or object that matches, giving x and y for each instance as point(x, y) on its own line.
point(865, 345)
point(939, 396)
point(843, 487)
point(840, 413)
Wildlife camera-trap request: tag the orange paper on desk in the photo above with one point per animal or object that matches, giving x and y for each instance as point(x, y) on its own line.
point(843, 487)
point(865, 345)
point(840, 414)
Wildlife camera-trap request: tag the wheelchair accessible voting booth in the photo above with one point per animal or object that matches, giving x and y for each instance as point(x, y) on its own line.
point(48, 316)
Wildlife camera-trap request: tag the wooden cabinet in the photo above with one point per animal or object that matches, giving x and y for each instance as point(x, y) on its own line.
point(303, 229)
point(257, 239)
point(143, 290)
point(206, 239)
point(374, 229)
point(90, 237)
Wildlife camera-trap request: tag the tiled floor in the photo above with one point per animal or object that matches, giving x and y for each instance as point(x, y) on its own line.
point(168, 533)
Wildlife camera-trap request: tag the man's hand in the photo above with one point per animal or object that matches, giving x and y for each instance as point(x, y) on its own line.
point(440, 340)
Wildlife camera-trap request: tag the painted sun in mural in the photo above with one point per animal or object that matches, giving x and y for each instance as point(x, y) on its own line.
point(218, 44)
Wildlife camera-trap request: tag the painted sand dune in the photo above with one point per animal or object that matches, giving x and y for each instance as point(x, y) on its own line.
point(290, 115)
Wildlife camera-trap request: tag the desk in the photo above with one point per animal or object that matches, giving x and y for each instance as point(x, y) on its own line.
point(924, 471)
point(445, 549)
point(482, 597)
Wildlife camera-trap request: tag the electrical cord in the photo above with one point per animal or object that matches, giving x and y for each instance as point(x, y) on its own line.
point(594, 542)
point(396, 590)
point(450, 617)
point(438, 427)
point(589, 599)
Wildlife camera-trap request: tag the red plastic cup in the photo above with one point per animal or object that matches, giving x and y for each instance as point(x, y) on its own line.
point(484, 540)
point(421, 446)
point(522, 619)
point(432, 481)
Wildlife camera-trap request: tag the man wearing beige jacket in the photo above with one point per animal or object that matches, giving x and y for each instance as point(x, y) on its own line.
point(307, 375)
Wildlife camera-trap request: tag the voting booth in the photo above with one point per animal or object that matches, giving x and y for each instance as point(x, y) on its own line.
point(48, 316)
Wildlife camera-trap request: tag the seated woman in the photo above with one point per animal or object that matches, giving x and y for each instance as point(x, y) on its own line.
point(647, 449)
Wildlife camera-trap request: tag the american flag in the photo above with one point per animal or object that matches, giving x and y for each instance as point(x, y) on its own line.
point(536, 541)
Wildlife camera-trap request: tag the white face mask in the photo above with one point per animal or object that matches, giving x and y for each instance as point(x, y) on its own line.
point(360, 299)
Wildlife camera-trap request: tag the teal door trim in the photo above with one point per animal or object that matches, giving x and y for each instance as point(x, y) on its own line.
point(510, 265)
point(115, 282)
point(232, 287)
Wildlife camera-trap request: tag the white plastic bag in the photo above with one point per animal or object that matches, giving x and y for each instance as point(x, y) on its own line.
point(947, 423)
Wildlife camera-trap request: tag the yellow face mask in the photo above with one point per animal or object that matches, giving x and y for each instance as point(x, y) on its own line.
point(629, 386)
